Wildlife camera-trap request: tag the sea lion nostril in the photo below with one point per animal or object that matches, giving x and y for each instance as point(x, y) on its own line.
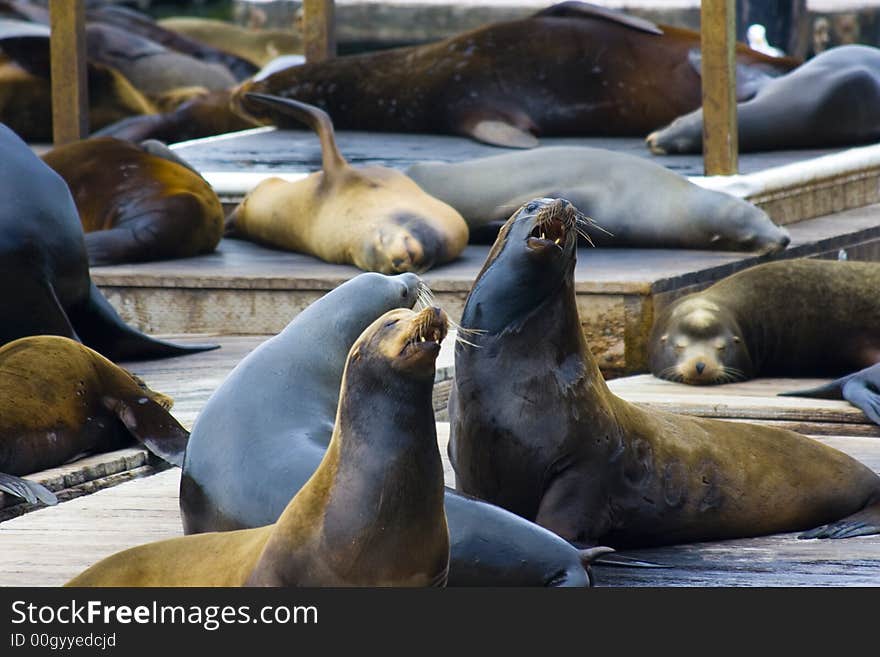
point(700, 366)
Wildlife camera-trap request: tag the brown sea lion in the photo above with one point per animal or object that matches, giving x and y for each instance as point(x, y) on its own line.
point(372, 217)
point(799, 317)
point(257, 46)
point(135, 205)
point(535, 429)
point(60, 399)
point(831, 100)
point(571, 69)
point(372, 512)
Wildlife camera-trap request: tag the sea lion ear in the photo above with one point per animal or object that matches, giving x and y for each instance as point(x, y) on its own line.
point(736, 339)
point(664, 338)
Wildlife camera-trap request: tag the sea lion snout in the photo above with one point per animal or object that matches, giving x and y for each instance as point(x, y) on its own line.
point(554, 221)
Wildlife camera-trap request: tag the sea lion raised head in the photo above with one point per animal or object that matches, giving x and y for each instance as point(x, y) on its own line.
point(375, 218)
point(697, 342)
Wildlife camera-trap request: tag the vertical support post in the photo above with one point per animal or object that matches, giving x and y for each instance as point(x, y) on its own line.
point(319, 29)
point(718, 42)
point(70, 108)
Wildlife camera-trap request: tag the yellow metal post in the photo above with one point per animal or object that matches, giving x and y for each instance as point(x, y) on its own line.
point(70, 105)
point(718, 42)
point(319, 29)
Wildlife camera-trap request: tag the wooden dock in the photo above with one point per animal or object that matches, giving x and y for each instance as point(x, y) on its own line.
point(48, 546)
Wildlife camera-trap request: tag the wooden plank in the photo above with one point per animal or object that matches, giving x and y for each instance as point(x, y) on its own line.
point(718, 39)
point(70, 111)
point(319, 18)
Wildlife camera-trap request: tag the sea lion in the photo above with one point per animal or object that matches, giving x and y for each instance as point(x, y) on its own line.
point(45, 286)
point(150, 67)
point(204, 114)
point(831, 100)
point(257, 46)
point(534, 428)
point(26, 94)
point(135, 205)
point(861, 389)
point(571, 69)
point(243, 464)
point(370, 515)
point(61, 399)
point(636, 202)
point(799, 317)
point(372, 217)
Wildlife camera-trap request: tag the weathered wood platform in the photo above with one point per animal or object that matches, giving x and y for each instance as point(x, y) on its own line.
point(48, 546)
point(244, 288)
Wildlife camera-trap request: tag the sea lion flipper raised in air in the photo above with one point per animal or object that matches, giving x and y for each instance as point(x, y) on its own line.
point(159, 149)
point(151, 425)
point(587, 10)
point(102, 329)
point(30, 491)
point(500, 133)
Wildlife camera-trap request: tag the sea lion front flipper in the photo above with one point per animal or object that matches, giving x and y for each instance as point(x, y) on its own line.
point(152, 426)
point(862, 523)
point(587, 10)
point(30, 491)
point(497, 131)
point(101, 328)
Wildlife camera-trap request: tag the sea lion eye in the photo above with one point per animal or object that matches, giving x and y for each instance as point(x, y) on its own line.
point(531, 207)
point(391, 323)
point(404, 294)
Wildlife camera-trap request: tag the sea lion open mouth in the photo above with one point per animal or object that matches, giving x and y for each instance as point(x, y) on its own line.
point(554, 222)
point(429, 330)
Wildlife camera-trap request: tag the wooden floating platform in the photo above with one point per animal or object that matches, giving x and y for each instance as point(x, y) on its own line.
point(50, 545)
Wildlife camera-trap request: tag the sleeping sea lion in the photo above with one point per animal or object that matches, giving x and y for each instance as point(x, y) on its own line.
point(372, 217)
point(831, 100)
point(800, 317)
point(135, 205)
point(45, 286)
point(534, 428)
point(636, 202)
point(60, 399)
point(570, 69)
point(370, 515)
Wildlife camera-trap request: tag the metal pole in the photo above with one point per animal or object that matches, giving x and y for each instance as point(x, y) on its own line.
point(718, 41)
point(70, 104)
point(319, 29)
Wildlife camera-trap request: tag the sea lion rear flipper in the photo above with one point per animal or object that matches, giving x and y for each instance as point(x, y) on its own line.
point(101, 328)
point(497, 130)
point(862, 523)
point(30, 491)
point(832, 390)
point(587, 10)
point(152, 426)
point(624, 561)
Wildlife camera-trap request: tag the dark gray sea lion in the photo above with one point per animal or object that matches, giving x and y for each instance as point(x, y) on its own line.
point(136, 205)
point(831, 100)
point(45, 286)
point(636, 202)
point(535, 429)
point(571, 69)
point(861, 389)
point(244, 462)
point(799, 317)
point(60, 399)
point(372, 512)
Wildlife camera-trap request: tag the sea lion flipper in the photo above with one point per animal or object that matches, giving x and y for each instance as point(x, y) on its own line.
point(498, 132)
point(624, 561)
point(101, 328)
point(862, 523)
point(30, 491)
point(862, 393)
point(749, 78)
point(152, 426)
point(832, 390)
point(314, 117)
point(587, 10)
